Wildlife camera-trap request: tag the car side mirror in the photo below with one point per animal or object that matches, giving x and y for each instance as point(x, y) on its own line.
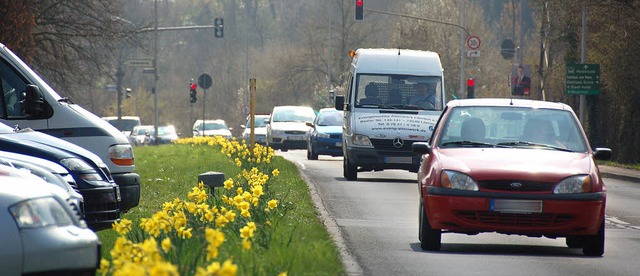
point(339, 102)
point(309, 124)
point(34, 104)
point(602, 154)
point(421, 148)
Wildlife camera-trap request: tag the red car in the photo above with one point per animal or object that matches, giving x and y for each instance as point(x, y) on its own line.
point(511, 166)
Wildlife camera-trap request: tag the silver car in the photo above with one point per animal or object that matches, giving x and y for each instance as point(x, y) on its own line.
point(287, 128)
point(40, 233)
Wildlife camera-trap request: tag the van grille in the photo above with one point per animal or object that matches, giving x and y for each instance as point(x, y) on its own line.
point(387, 144)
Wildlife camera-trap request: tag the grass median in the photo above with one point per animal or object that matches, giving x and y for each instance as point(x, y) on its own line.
point(294, 241)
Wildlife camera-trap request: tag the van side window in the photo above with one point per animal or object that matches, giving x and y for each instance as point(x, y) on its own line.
point(13, 93)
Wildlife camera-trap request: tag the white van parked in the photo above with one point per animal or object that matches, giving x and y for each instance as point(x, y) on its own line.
point(393, 99)
point(29, 102)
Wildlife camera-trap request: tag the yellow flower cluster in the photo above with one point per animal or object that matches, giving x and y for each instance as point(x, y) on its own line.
point(198, 221)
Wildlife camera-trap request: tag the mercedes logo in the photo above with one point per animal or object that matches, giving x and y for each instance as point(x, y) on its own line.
point(398, 142)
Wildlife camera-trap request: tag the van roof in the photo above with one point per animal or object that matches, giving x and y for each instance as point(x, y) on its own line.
point(397, 61)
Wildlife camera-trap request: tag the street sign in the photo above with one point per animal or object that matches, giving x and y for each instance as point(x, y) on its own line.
point(205, 81)
point(473, 42)
point(473, 53)
point(139, 62)
point(583, 79)
point(111, 88)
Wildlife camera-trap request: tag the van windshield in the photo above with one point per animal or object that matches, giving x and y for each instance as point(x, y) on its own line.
point(398, 92)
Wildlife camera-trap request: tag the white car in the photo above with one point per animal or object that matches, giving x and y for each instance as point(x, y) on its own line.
point(211, 128)
point(141, 135)
point(259, 129)
point(40, 234)
point(287, 128)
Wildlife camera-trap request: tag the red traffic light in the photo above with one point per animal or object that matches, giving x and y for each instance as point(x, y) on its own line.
point(471, 82)
point(359, 10)
point(359, 3)
point(193, 86)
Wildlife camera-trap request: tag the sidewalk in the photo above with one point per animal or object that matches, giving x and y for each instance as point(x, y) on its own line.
point(620, 173)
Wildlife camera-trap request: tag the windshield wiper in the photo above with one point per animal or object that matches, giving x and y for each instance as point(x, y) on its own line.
point(530, 144)
point(473, 143)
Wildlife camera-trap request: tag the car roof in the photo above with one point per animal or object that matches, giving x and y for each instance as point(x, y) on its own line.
point(508, 102)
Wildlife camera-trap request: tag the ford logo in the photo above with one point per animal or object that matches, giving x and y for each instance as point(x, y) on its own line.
point(516, 185)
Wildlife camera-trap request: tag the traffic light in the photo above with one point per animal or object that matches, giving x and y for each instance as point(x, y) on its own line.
point(193, 92)
point(470, 88)
point(219, 27)
point(359, 14)
point(128, 93)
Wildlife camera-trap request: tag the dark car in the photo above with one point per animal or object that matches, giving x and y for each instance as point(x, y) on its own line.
point(166, 135)
point(101, 194)
point(325, 135)
point(511, 166)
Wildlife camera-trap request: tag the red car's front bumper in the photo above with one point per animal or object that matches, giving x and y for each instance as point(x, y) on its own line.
point(475, 212)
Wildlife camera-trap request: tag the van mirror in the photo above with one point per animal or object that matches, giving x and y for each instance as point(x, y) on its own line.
point(34, 104)
point(339, 102)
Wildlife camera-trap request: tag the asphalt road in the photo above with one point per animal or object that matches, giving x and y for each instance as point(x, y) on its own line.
point(374, 221)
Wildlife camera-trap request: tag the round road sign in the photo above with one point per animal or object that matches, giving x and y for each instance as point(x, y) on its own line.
point(473, 42)
point(205, 81)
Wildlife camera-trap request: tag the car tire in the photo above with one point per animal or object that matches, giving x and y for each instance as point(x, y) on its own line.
point(574, 241)
point(350, 171)
point(594, 245)
point(430, 239)
point(311, 154)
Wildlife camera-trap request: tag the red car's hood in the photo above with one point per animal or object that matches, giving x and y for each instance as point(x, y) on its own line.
point(523, 164)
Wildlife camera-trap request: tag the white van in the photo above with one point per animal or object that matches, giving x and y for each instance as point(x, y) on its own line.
point(393, 99)
point(28, 102)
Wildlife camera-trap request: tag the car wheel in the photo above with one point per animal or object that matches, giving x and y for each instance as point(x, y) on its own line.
point(594, 245)
point(574, 242)
point(430, 239)
point(350, 171)
point(311, 154)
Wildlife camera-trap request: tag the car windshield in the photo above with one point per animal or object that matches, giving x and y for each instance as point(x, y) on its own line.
point(165, 130)
point(330, 118)
point(212, 126)
point(260, 121)
point(127, 124)
point(294, 115)
point(398, 92)
point(490, 126)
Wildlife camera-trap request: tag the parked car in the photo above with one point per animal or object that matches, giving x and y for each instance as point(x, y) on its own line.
point(50, 172)
point(216, 127)
point(511, 166)
point(325, 135)
point(101, 194)
point(27, 101)
point(259, 129)
point(39, 233)
point(140, 135)
point(166, 135)
point(287, 128)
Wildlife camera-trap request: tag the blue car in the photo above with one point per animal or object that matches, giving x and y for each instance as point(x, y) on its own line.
point(325, 135)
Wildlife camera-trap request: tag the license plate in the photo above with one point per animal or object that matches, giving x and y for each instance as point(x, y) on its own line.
point(516, 206)
point(296, 137)
point(398, 159)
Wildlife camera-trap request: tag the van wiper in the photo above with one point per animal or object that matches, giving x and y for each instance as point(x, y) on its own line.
point(530, 144)
point(65, 100)
point(473, 143)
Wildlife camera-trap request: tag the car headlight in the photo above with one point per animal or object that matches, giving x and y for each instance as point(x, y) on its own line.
point(76, 164)
point(323, 135)
point(361, 141)
point(40, 212)
point(457, 180)
point(574, 185)
point(121, 155)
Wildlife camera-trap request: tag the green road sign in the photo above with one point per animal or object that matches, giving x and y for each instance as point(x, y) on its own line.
point(583, 79)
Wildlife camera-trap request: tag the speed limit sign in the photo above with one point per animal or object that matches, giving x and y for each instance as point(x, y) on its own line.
point(473, 42)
